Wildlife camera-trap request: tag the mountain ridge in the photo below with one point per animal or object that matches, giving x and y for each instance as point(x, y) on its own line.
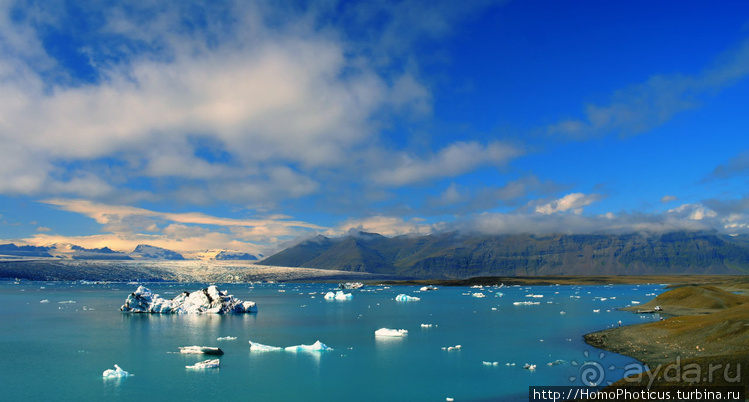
point(453, 255)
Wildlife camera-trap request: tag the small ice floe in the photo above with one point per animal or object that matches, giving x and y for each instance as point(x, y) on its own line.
point(597, 311)
point(562, 312)
point(509, 364)
point(116, 373)
point(44, 301)
point(427, 325)
point(494, 309)
point(259, 347)
point(448, 399)
point(534, 295)
point(556, 362)
point(226, 338)
point(428, 287)
point(635, 302)
point(405, 297)
point(526, 303)
point(479, 294)
point(529, 366)
point(499, 294)
point(391, 332)
point(451, 348)
point(67, 302)
point(485, 363)
point(201, 350)
point(315, 347)
point(205, 364)
point(339, 295)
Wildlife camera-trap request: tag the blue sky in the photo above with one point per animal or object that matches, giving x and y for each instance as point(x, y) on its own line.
point(245, 125)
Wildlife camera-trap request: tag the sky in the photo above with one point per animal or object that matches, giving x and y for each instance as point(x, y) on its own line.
point(249, 125)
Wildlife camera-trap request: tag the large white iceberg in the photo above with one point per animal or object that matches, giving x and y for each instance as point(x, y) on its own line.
point(116, 373)
point(208, 300)
point(405, 297)
point(315, 347)
point(339, 295)
point(205, 364)
point(259, 347)
point(391, 332)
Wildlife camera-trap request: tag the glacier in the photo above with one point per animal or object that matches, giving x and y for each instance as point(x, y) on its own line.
point(209, 300)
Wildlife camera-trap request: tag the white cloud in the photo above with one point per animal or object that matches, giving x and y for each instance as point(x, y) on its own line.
point(386, 226)
point(571, 202)
point(639, 108)
point(668, 198)
point(453, 160)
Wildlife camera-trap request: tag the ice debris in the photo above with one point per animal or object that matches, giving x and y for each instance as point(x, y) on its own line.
point(205, 364)
point(490, 363)
point(202, 350)
point(526, 303)
point(226, 338)
point(479, 294)
point(116, 373)
point(451, 348)
point(405, 297)
point(529, 366)
point(208, 300)
point(339, 295)
point(391, 332)
point(259, 347)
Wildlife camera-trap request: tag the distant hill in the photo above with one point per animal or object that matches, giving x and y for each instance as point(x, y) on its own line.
point(454, 255)
point(24, 251)
point(143, 251)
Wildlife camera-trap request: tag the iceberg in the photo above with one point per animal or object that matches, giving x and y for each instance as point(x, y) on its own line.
point(405, 297)
point(205, 364)
point(201, 350)
point(226, 338)
point(315, 347)
point(116, 373)
point(391, 332)
point(259, 347)
point(339, 295)
point(209, 300)
point(479, 294)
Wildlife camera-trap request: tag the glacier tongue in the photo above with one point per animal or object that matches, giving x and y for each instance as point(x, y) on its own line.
point(209, 300)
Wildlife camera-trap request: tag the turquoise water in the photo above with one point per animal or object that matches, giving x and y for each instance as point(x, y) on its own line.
point(57, 350)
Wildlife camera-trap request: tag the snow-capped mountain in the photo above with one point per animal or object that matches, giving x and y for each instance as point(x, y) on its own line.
point(146, 252)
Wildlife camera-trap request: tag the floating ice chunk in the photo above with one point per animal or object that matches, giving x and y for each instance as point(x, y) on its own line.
point(499, 294)
point(339, 295)
point(44, 301)
point(116, 373)
point(478, 295)
point(73, 302)
point(509, 364)
point(315, 347)
point(532, 295)
point(529, 366)
point(208, 300)
point(556, 362)
point(205, 364)
point(526, 303)
point(259, 347)
point(597, 311)
point(405, 297)
point(226, 338)
point(451, 348)
point(391, 332)
point(635, 302)
point(485, 363)
point(562, 312)
point(426, 325)
point(428, 287)
point(204, 350)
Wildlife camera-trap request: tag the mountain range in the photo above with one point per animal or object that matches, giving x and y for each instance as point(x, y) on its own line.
point(456, 255)
point(141, 252)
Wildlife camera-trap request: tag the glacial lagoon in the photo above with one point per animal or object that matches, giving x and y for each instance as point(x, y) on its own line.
point(57, 338)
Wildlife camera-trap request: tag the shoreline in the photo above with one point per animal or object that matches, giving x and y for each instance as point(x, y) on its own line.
point(701, 340)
